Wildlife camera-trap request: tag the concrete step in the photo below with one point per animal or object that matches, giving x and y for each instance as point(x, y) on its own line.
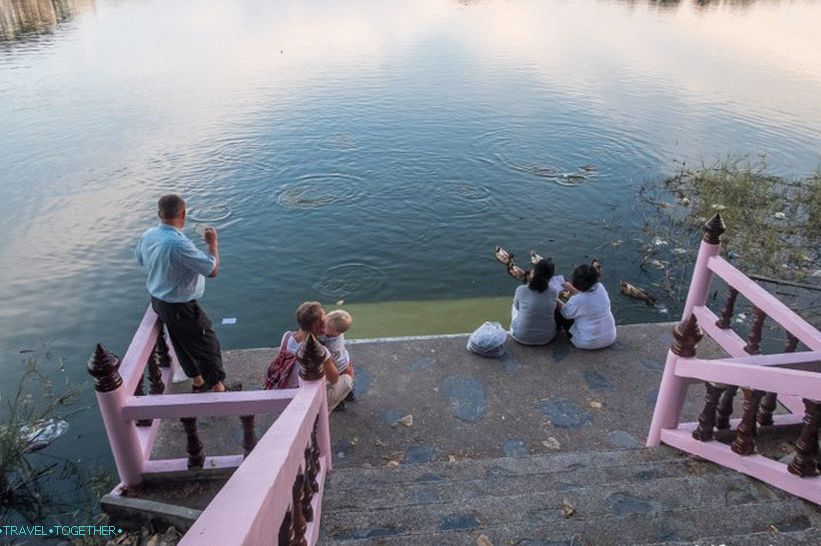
point(807, 537)
point(684, 525)
point(448, 483)
point(644, 496)
point(510, 466)
point(589, 501)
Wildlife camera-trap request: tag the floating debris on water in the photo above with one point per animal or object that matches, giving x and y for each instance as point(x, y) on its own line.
point(780, 215)
point(658, 241)
point(679, 250)
point(657, 264)
point(42, 433)
point(719, 207)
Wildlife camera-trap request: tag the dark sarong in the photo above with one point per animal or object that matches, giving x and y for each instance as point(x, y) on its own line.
point(194, 339)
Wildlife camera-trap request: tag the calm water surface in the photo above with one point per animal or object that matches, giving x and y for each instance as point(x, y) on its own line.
point(365, 151)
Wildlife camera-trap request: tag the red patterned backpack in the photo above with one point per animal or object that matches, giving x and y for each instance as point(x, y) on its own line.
point(280, 368)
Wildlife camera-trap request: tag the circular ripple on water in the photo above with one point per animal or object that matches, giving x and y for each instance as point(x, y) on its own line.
point(464, 199)
point(209, 214)
point(521, 155)
point(318, 190)
point(353, 279)
point(453, 199)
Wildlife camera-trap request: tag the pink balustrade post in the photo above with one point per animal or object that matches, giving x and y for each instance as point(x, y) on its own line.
point(324, 436)
point(687, 334)
point(311, 370)
point(122, 434)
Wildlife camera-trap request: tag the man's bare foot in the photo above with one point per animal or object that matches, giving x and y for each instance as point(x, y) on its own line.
point(231, 387)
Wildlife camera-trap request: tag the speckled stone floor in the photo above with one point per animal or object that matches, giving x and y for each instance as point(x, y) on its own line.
point(462, 406)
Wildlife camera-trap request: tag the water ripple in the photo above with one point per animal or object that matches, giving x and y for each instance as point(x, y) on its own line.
point(351, 279)
point(319, 190)
point(209, 213)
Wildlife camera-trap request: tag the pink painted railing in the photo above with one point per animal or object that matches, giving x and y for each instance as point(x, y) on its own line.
point(295, 450)
point(267, 499)
point(792, 378)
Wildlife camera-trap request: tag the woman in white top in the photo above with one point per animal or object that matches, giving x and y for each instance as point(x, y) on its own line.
point(588, 310)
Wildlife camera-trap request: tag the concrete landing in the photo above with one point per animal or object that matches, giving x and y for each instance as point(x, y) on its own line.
point(429, 400)
point(534, 400)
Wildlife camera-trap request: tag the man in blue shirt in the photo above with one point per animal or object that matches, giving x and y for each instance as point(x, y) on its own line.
point(176, 271)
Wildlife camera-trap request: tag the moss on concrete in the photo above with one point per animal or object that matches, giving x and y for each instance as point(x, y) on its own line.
point(425, 317)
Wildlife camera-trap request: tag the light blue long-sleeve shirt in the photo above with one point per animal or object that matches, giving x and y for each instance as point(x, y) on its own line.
point(176, 268)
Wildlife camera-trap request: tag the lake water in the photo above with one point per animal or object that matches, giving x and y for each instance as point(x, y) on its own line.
point(362, 151)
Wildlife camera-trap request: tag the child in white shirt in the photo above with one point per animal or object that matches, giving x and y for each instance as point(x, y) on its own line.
point(336, 324)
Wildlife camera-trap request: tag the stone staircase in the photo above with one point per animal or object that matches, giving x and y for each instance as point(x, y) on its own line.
point(616, 497)
point(545, 450)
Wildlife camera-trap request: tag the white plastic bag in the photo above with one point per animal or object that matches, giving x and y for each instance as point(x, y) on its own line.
point(488, 340)
point(42, 433)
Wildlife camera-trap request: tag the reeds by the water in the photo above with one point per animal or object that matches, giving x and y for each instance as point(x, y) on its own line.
point(773, 227)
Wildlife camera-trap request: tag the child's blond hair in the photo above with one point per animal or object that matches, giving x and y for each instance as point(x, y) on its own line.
point(339, 320)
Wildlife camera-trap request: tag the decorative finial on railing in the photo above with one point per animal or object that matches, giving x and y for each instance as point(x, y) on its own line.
point(713, 230)
point(686, 336)
point(103, 366)
point(311, 357)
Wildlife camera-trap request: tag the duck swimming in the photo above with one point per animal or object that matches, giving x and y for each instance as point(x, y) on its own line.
point(636, 293)
point(503, 255)
point(517, 272)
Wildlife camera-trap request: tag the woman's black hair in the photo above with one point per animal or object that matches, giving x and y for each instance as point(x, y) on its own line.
point(541, 274)
point(585, 277)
